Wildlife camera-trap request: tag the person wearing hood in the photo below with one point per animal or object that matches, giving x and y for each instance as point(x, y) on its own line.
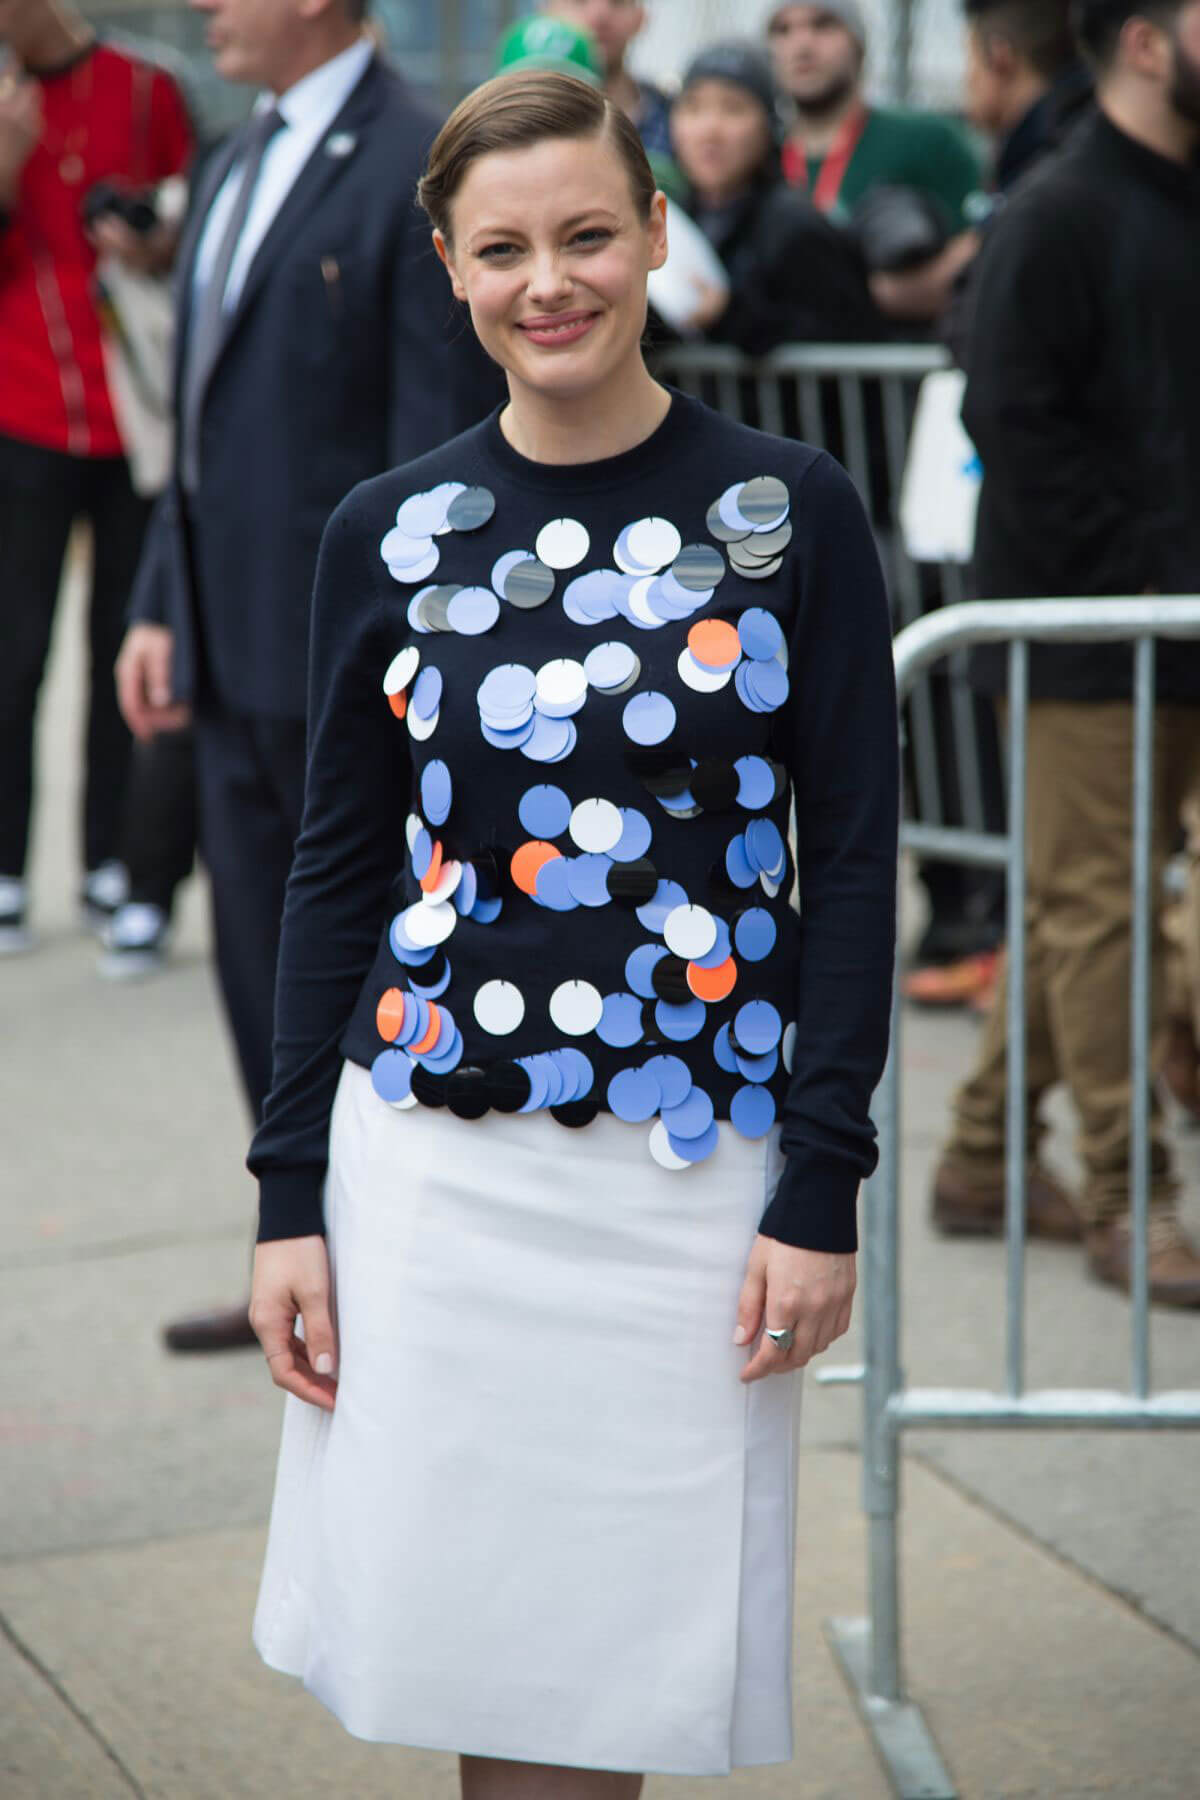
point(793, 275)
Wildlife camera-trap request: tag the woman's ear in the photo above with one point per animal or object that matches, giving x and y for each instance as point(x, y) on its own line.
point(447, 260)
point(657, 229)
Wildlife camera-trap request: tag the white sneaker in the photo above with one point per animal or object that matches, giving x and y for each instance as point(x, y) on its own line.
point(135, 942)
point(104, 890)
point(15, 934)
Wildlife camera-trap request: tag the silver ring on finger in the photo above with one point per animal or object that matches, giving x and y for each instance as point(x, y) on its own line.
point(782, 1340)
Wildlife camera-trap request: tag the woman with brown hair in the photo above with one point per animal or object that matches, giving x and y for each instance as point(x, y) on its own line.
point(569, 675)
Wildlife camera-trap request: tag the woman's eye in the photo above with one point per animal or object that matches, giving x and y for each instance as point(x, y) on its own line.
point(594, 234)
point(496, 252)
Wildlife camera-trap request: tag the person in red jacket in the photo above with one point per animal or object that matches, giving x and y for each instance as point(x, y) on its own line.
point(74, 113)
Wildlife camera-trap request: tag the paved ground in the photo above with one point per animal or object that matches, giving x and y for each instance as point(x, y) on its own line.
point(1052, 1586)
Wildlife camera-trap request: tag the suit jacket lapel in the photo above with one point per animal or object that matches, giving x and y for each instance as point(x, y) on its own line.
point(212, 177)
point(333, 153)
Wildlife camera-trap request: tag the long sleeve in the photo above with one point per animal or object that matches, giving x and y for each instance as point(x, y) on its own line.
point(1032, 410)
point(350, 847)
point(845, 769)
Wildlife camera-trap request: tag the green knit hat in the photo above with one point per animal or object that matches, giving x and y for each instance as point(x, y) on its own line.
point(544, 43)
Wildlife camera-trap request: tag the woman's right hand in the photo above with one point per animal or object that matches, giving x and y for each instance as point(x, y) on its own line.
point(291, 1279)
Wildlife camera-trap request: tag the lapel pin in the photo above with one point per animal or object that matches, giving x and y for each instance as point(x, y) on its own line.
point(341, 144)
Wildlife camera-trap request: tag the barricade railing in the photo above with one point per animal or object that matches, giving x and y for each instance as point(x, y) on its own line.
point(870, 1649)
point(857, 401)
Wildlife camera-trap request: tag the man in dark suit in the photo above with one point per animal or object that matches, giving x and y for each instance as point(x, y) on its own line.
point(317, 345)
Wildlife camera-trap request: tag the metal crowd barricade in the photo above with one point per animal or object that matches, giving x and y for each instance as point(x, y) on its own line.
point(869, 1649)
point(857, 401)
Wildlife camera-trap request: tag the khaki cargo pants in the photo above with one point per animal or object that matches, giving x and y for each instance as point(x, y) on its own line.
point(1079, 918)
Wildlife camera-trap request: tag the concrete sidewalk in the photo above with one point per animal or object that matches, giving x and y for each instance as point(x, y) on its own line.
point(1051, 1586)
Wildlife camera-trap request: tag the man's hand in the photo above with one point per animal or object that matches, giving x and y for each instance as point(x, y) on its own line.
point(143, 673)
point(810, 1291)
point(145, 252)
point(20, 129)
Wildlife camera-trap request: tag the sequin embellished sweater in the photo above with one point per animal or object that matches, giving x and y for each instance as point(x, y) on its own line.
point(559, 719)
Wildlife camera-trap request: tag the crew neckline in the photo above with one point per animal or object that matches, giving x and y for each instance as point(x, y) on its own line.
point(606, 471)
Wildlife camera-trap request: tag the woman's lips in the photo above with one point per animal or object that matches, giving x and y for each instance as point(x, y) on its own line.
point(563, 328)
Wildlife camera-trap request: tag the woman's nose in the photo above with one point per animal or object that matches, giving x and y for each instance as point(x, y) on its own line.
point(548, 279)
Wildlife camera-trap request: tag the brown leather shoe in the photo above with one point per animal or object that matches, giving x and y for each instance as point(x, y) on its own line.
point(1174, 1264)
point(227, 1329)
point(960, 1208)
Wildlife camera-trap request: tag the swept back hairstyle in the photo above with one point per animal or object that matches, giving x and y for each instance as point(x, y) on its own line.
point(1038, 30)
point(1099, 24)
point(513, 112)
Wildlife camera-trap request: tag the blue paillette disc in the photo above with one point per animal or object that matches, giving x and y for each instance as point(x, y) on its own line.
point(391, 1075)
point(754, 934)
point(679, 1023)
point(756, 782)
point(550, 739)
point(436, 792)
point(768, 682)
point(691, 1118)
point(695, 1149)
point(757, 1027)
point(552, 885)
point(649, 718)
point(422, 854)
point(473, 611)
point(621, 1021)
point(758, 1068)
point(720, 950)
point(634, 1095)
point(765, 847)
point(587, 878)
point(508, 689)
point(639, 967)
point(665, 898)
point(673, 1077)
point(635, 837)
point(545, 811)
point(608, 665)
point(724, 1053)
point(752, 1111)
point(740, 869)
point(761, 633)
point(427, 693)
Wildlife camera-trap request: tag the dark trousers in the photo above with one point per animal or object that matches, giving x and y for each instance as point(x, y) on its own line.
point(42, 493)
point(250, 774)
point(158, 841)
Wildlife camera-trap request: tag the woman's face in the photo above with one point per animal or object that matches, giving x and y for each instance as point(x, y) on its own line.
point(721, 135)
point(551, 255)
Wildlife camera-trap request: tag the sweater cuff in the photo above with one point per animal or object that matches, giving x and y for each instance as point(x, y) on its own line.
point(290, 1203)
point(814, 1205)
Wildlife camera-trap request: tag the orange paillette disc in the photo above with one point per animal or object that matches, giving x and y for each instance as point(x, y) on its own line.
point(433, 873)
point(712, 984)
point(528, 860)
point(389, 1014)
point(398, 703)
point(431, 1036)
point(714, 643)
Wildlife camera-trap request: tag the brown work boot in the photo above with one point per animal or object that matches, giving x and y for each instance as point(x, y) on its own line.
point(1174, 1264)
point(963, 1208)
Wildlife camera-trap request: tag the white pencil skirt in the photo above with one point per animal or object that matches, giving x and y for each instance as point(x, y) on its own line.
point(545, 1521)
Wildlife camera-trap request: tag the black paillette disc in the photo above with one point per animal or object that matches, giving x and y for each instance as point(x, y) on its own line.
point(429, 1089)
point(632, 884)
point(507, 1086)
point(715, 784)
point(669, 980)
point(575, 1112)
point(466, 1093)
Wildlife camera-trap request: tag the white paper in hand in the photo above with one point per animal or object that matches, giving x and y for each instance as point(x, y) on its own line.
point(691, 265)
point(939, 495)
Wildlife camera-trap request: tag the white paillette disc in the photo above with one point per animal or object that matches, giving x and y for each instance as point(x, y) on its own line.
point(654, 543)
point(499, 1007)
point(422, 729)
point(661, 1151)
point(562, 682)
point(562, 543)
point(428, 925)
point(689, 932)
point(401, 669)
point(596, 825)
point(576, 1008)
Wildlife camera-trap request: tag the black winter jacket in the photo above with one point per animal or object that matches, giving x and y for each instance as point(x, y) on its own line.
point(1083, 399)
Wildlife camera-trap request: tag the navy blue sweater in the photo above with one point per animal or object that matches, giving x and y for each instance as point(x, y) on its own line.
point(559, 718)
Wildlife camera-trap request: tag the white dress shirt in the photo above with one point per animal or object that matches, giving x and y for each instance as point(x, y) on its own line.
point(308, 110)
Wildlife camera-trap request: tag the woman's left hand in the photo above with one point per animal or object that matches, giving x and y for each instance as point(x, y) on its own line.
point(810, 1291)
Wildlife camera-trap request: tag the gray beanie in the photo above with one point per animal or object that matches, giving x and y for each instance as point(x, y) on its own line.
point(745, 65)
point(849, 12)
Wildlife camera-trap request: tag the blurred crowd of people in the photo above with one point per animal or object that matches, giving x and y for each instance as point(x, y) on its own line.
point(290, 328)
